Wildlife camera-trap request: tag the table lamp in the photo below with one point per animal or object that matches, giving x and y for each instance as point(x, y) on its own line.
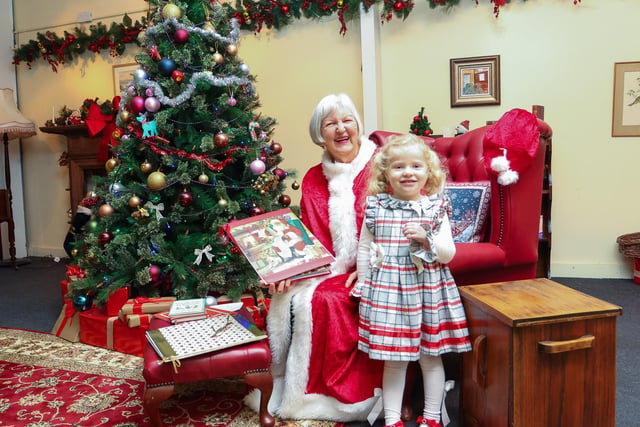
point(12, 125)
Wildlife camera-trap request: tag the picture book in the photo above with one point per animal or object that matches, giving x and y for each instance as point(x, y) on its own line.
point(279, 246)
point(188, 309)
point(189, 339)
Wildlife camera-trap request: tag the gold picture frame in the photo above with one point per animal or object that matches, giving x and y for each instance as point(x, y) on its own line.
point(123, 76)
point(626, 99)
point(475, 81)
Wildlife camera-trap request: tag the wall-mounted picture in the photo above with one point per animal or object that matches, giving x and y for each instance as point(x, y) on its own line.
point(123, 76)
point(626, 99)
point(475, 81)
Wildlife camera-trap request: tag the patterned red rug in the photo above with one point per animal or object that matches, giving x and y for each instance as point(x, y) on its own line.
point(47, 381)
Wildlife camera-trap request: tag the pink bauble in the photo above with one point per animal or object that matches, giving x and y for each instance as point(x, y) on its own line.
point(137, 104)
point(152, 104)
point(148, 91)
point(181, 36)
point(232, 101)
point(257, 166)
point(154, 272)
point(131, 90)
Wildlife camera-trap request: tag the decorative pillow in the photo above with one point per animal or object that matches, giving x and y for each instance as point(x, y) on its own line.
point(469, 209)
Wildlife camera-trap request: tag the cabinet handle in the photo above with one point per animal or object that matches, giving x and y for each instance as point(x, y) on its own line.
point(552, 347)
point(479, 370)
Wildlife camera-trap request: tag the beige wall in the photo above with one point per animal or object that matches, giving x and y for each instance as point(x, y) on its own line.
point(552, 52)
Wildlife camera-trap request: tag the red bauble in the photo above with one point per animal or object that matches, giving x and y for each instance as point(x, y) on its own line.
point(177, 76)
point(427, 132)
point(285, 9)
point(221, 140)
point(104, 238)
point(137, 104)
point(398, 6)
point(280, 173)
point(276, 148)
point(284, 200)
point(181, 36)
point(185, 199)
point(257, 210)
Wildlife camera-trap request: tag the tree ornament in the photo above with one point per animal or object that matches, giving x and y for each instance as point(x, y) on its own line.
point(137, 104)
point(221, 140)
point(117, 133)
point(139, 75)
point(104, 238)
point(154, 272)
point(134, 201)
point(203, 178)
point(275, 148)
point(280, 173)
point(154, 53)
point(111, 164)
point(91, 225)
point(152, 104)
point(244, 68)
point(232, 49)
point(171, 11)
point(223, 203)
point(218, 58)
point(105, 210)
point(208, 26)
point(181, 36)
point(256, 210)
point(284, 200)
point(177, 76)
point(185, 199)
point(157, 180)
point(285, 9)
point(340, 3)
point(232, 101)
point(125, 115)
point(74, 252)
point(166, 66)
point(146, 167)
point(295, 185)
point(82, 302)
point(398, 6)
point(257, 167)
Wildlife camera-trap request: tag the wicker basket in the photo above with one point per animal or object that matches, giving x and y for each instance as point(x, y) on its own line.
point(629, 244)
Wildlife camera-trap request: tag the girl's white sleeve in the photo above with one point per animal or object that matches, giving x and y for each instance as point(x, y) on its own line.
point(445, 248)
point(366, 237)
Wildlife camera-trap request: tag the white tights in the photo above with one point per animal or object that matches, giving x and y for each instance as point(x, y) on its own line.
point(393, 381)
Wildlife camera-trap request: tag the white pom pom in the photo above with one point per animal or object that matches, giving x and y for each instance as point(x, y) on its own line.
point(508, 177)
point(500, 164)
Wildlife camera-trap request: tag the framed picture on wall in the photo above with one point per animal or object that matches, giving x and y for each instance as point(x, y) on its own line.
point(123, 76)
point(475, 81)
point(626, 99)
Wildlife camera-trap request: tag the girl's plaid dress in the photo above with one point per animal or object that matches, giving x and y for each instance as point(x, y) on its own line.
point(410, 303)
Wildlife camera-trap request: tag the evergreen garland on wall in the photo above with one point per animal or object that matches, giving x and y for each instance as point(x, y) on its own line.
point(252, 15)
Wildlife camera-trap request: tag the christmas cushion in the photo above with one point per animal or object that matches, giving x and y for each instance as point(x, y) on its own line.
point(469, 209)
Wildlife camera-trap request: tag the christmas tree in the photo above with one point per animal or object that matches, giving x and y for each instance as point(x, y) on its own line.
point(420, 124)
point(191, 154)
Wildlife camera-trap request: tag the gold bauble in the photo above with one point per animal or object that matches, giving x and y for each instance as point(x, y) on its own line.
point(157, 180)
point(171, 11)
point(125, 116)
point(146, 167)
point(111, 164)
point(232, 49)
point(223, 203)
point(218, 58)
point(134, 201)
point(105, 210)
point(74, 252)
point(203, 178)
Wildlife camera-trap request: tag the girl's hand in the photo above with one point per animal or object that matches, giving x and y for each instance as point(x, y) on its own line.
point(415, 231)
point(351, 280)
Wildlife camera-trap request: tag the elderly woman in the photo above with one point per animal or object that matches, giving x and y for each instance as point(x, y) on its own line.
point(313, 324)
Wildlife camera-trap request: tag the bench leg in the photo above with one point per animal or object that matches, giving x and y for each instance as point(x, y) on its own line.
point(263, 381)
point(153, 398)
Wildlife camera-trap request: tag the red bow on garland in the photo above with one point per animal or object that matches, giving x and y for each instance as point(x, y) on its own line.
point(105, 123)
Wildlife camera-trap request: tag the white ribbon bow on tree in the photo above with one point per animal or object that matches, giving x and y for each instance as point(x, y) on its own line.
point(206, 252)
point(157, 208)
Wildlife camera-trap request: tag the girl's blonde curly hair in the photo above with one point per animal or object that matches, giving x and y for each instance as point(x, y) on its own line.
point(437, 173)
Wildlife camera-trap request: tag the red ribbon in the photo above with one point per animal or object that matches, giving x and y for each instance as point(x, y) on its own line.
point(105, 123)
point(69, 312)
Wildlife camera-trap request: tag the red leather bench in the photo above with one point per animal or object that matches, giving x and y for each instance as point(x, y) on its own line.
point(251, 361)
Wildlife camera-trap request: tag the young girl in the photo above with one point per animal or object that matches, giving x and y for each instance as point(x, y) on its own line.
point(410, 308)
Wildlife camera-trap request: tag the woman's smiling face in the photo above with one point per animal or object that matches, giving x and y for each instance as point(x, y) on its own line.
point(341, 135)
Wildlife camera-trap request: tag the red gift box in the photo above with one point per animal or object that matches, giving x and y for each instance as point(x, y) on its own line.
point(136, 320)
point(100, 330)
point(64, 288)
point(116, 300)
point(142, 305)
point(67, 325)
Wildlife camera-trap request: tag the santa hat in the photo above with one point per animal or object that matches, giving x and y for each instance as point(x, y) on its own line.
point(511, 144)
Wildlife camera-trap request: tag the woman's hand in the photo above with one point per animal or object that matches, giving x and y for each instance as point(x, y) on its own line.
point(351, 280)
point(277, 288)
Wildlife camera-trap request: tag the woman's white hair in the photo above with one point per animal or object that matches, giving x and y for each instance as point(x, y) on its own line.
point(326, 106)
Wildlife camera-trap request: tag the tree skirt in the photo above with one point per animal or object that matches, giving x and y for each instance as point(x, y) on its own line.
point(47, 381)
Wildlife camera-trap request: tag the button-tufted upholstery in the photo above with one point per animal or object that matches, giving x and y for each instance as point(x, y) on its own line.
point(510, 249)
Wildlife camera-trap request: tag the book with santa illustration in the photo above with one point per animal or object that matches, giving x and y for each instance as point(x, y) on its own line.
point(279, 246)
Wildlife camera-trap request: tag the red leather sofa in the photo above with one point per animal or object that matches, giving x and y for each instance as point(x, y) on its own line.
point(510, 247)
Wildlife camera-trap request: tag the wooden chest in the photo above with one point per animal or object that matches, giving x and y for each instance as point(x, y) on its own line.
point(543, 355)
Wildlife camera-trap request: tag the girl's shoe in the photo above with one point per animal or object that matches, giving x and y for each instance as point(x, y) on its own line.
point(422, 421)
point(396, 424)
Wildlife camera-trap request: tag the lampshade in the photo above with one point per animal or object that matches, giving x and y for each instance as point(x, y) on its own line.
point(12, 122)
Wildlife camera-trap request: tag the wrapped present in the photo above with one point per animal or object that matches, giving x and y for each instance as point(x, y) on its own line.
point(100, 330)
point(64, 288)
point(74, 272)
point(67, 325)
point(116, 300)
point(142, 305)
point(246, 298)
point(136, 320)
